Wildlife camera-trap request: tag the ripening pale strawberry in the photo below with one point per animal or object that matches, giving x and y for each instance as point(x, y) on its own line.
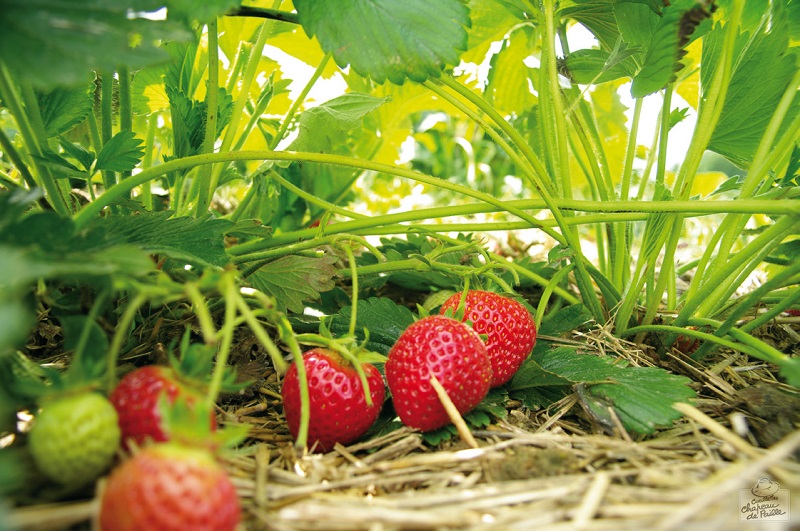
point(508, 326)
point(136, 399)
point(339, 410)
point(74, 437)
point(451, 351)
point(169, 487)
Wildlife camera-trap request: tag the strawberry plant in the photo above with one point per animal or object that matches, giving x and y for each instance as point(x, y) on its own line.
point(272, 177)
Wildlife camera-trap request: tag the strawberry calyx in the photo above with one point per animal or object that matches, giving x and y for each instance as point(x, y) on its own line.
point(187, 424)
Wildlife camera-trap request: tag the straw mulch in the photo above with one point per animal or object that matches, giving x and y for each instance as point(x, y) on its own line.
point(547, 469)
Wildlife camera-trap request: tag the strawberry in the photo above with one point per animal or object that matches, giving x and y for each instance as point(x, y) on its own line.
point(509, 328)
point(339, 410)
point(450, 350)
point(74, 437)
point(169, 486)
point(136, 399)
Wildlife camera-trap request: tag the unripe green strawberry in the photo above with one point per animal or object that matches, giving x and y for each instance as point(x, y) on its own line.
point(74, 437)
point(170, 487)
point(339, 409)
point(509, 328)
point(450, 350)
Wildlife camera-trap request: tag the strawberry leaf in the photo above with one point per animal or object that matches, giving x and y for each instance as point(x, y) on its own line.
point(122, 153)
point(385, 39)
point(383, 318)
point(294, 280)
point(765, 56)
point(63, 108)
point(185, 238)
point(324, 126)
point(642, 397)
point(60, 43)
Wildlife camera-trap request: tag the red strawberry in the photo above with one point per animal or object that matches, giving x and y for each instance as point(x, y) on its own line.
point(509, 328)
point(168, 486)
point(136, 399)
point(339, 410)
point(450, 350)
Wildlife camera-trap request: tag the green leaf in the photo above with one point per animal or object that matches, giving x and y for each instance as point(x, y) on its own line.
point(325, 126)
point(566, 320)
point(386, 39)
point(186, 238)
point(641, 396)
point(63, 108)
point(190, 10)
point(508, 81)
point(16, 320)
point(598, 66)
point(761, 74)
point(491, 21)
point(91, 363)
point(293, 280)
point(85, 157)
point(60, 43)
point(597, 16)
point(493, 405)
point(122, 153)
point(381, 317)
point(665, 49)
point(534, 386)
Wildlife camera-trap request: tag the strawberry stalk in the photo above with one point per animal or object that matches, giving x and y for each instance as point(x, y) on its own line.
point(226, 337)
point(120, 333)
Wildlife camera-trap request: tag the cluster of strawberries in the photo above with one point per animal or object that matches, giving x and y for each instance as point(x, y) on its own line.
point(437, 346)
point(172, 480)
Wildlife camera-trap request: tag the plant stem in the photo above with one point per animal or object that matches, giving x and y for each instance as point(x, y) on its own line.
point(717, 279)
point(125, 106)
point(205, 190)
point(287, 120)
point(253, 61)
point(107, 120)
point(13, 155)
point(231, 295)
point(121, 331)
point(147, 159)
point(12, 101)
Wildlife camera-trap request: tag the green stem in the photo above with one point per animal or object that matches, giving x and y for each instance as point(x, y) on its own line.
point(250, 71)
point(231, 296)
point(12, 101)
point(568, 237)
point(766, 240)
point(549, 59)
point(287, 120)
point(125, 106)
point(261, 334)
point(351, 259)
point(107, 120)
point(540, 173)
point(121, 331)
point(202, 312)
point(205, 189)
point(663, 136)
point(548, 290)
point(13, 155)
point(147, 160)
